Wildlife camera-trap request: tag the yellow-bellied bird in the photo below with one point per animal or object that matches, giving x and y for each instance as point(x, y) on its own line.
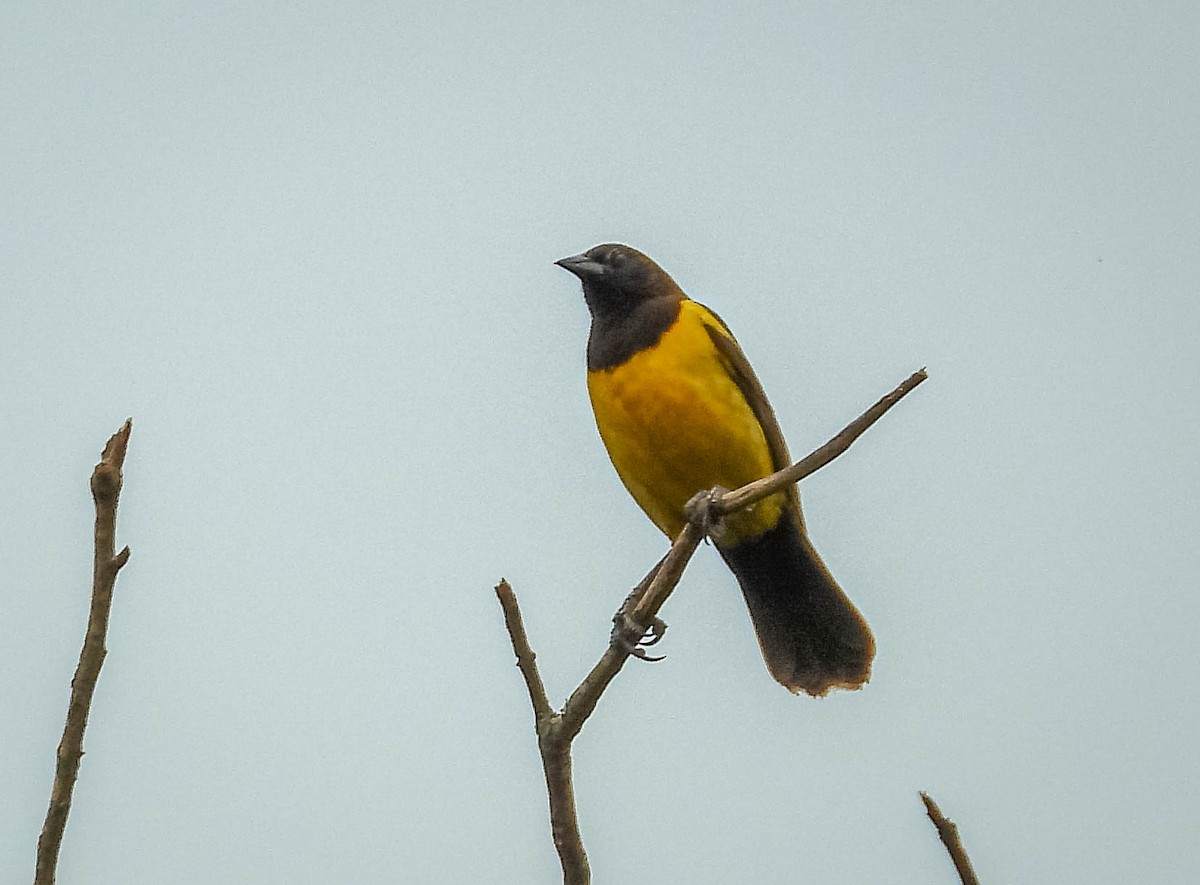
point(680, 411)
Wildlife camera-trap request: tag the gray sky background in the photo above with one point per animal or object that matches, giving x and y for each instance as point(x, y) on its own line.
point(308, 248)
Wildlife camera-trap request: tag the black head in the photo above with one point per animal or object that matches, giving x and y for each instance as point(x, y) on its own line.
point(632, 300)
point(617, 279)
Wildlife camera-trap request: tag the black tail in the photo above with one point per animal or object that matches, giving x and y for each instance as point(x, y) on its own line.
point(811, 635)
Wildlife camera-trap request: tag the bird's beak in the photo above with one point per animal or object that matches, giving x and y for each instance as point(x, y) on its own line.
point(582, 266)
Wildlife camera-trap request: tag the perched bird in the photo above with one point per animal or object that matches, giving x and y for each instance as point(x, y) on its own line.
point(681, 411)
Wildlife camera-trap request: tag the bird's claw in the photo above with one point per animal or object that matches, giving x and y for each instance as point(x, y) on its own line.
point(627, 634)
point(700, 508)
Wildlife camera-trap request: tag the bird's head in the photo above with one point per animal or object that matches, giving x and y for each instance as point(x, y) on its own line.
point(617, 279)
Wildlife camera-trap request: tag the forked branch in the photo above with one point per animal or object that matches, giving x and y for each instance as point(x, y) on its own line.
point(556, 730)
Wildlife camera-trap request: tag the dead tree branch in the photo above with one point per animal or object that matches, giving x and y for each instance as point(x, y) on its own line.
point(106, 491)
point(948, 832)
point(557, 730)
point(555, 753)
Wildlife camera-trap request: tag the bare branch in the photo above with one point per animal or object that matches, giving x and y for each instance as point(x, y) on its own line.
point(564, 822)
point(658, 585)
point(556, 731)
point(555, 749)
point(762, 488)
point(948, 832)
point(106, 491)
point(526, 659)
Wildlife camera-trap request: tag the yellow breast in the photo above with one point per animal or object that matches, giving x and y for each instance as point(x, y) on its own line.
point(675, 423)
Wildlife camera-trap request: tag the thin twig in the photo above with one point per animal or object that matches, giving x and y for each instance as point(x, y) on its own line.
point(556, 731)
point(761, 488)
point(526, 659)
point(106, 491)
point(948, 832)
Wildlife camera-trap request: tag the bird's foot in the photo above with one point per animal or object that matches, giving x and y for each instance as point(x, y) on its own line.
point(702, 510)
point(633, 638)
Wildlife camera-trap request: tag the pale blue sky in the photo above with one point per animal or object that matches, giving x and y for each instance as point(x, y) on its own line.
point(308, 249)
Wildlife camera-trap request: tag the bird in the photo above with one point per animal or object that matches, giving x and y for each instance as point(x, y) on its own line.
point(680, 411)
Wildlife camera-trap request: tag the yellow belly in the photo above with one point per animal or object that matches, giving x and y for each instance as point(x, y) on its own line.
point(675, 423)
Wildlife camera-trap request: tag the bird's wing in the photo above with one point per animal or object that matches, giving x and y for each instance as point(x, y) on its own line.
point(740, 370)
